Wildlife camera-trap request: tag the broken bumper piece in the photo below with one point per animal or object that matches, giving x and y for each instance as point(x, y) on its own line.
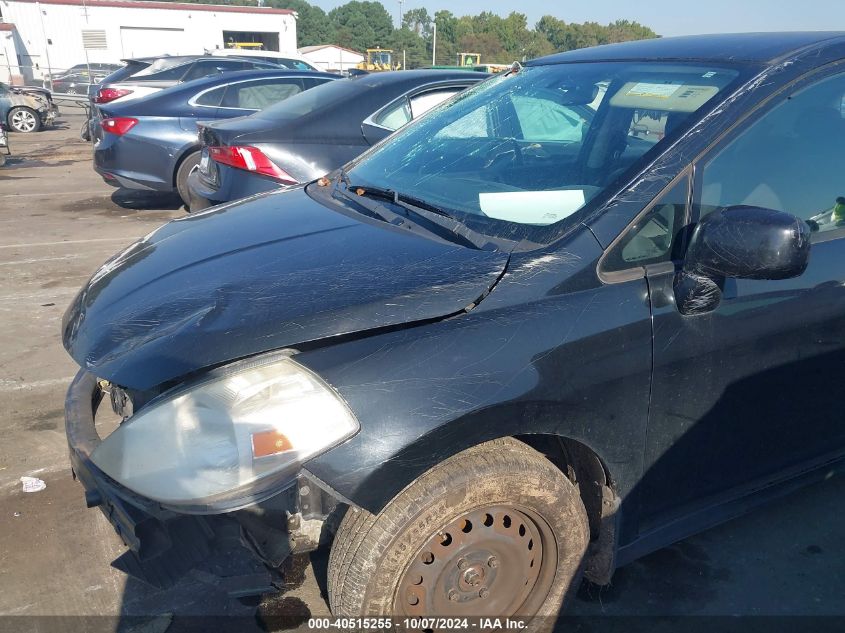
point(244, 549)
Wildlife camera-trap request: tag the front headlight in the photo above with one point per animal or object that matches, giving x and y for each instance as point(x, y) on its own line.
point(229, 440)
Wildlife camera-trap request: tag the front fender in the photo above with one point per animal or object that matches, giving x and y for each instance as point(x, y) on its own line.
point(574, 360)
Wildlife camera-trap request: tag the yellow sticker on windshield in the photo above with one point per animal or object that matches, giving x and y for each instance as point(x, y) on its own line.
point(655, 91)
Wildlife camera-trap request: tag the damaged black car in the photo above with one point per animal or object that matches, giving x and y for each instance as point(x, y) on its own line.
point(576, 313)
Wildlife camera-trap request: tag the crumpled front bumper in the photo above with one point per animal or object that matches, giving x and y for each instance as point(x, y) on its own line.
point(242, 548)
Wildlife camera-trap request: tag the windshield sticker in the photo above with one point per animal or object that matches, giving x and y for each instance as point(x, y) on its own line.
point(655, 91)
point(531, 207)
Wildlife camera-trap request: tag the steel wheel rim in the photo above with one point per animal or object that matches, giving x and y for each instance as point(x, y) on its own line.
point(23, 120)
point(497, 560)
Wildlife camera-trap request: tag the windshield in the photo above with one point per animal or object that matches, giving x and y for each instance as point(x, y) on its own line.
point(526, 150)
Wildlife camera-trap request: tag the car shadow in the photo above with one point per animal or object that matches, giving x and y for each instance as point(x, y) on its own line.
point(140, 200)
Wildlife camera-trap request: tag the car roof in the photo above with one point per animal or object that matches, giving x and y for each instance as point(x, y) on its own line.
point(764, 48)
point(253, 74)
point(379, 79)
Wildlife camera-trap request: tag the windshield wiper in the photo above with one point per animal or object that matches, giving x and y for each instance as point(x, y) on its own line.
point(431, 214)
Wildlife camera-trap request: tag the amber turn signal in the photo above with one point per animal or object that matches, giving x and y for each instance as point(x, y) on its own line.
point(269, 443)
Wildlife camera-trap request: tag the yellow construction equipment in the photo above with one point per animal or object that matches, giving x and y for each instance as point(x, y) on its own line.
point(255, 46)
point(469, 59)
point(378, 60)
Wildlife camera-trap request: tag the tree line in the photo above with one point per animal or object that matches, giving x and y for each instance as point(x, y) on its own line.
point(362, 24)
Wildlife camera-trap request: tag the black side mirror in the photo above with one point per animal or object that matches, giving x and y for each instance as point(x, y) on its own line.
point(741, 242)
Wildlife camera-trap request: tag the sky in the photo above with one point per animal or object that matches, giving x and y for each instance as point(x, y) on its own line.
point(666, 17)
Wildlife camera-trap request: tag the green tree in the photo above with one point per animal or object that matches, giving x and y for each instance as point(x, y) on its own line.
point(361, 25)
point(312, 24)
point(416, 50)
point(418, 21)
point(565, 37)
point(448, 32)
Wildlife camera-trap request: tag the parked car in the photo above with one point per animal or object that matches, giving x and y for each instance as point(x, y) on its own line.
point(286, 144)
point(160, 74)
point(130, 67)
point(94, 68)
point(508, 355)
point(29, 109)
point(152, 143)
point(170, 71)
point(77, 83)
point(294, 61)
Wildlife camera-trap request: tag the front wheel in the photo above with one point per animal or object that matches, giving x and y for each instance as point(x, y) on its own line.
point(496, 530)
point(23, 119)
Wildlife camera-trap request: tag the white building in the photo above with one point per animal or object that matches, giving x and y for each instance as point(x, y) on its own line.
point(59, 34)
point(330, 57)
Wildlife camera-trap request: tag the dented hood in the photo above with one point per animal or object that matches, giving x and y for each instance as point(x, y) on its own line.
point(268, 273)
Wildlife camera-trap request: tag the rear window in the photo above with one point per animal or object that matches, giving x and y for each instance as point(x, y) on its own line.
point(126, 71)
point(173, 73)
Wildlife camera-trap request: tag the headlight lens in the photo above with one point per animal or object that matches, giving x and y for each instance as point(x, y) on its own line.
point(229, 440)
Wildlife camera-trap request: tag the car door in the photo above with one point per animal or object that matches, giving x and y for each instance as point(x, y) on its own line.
point(403, 110)
point(749, 393)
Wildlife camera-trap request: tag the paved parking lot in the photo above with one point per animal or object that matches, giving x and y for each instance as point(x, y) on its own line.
point(58, 222)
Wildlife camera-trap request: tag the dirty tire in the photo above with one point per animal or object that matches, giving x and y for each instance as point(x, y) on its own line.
point(23, 119)
point(374, 555)
point(188, 163)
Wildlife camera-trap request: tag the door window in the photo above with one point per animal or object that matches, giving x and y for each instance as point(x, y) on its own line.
point(395, 116)
point(422, 103)
point(257, 95)
point(655, 237)
point(791, 159)
point(210, 98)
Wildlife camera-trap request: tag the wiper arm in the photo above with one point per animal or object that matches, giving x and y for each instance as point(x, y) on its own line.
point(445, 220)
point(442, 224)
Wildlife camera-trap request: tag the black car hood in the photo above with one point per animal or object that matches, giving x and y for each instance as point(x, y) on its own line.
point(264, 274)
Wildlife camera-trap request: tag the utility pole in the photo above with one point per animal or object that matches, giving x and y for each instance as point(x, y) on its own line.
point(46, 43)
point(434, 45)
point(401, 2)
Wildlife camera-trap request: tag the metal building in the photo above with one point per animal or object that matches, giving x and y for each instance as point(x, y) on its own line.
point(44, 36)
point(331, 57)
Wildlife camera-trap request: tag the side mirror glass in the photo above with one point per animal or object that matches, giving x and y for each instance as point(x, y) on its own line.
point(741, 242)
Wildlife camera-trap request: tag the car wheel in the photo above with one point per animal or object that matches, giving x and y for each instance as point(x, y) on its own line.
point(71, 91)
point(185, 168)
point(23, 119)
point(495, 530)
point(85, 131)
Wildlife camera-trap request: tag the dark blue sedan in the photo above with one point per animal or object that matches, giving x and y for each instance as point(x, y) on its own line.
point(510, 350)
point(151, 143)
